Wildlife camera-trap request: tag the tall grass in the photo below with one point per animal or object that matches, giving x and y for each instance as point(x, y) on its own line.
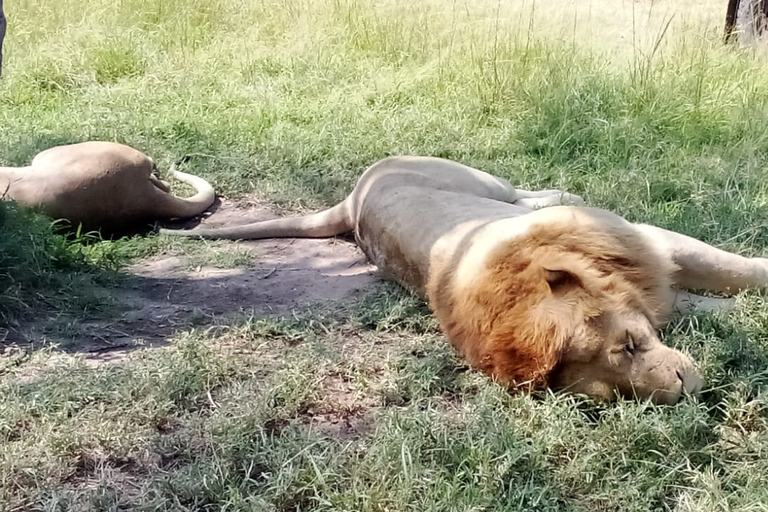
point(634, 104)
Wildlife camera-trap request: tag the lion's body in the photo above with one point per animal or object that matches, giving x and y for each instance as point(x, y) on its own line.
point(100, 185)
point(569, 296)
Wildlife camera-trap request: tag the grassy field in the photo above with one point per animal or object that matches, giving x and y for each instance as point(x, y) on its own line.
point(634, 105)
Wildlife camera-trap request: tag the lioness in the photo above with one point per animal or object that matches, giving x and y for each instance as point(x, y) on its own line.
point(566, 296)
point(100, 185)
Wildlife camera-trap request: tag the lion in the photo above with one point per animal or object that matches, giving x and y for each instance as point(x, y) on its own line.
point(100, 185)
point(532, 288)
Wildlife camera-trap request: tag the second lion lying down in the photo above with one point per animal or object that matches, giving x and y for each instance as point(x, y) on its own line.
point(569, 297)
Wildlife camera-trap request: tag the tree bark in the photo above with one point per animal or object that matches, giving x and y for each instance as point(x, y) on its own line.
point(730, 19)
point(750, 22)
point(2, 35)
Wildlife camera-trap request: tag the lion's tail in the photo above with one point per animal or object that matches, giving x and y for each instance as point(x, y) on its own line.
point(330, 222)
point(172, 206)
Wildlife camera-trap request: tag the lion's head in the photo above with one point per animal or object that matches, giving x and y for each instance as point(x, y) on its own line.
point(618, 351)
point(573, 305)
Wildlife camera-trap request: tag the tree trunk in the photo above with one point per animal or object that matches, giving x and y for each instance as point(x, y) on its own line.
point(730, 19)
point(751, 21)
point(2, 35)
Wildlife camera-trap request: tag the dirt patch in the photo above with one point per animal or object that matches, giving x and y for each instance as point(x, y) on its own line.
point(165, 294)
point(285, 274)
point(344, 412)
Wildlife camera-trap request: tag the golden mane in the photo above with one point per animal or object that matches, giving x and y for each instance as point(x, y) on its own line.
point(515, 320)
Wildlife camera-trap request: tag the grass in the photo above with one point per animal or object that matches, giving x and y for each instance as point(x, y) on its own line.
point(253, 419)
point(634, 105)
point(39, 269)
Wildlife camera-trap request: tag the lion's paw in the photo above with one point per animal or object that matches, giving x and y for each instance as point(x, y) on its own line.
point(555, 199)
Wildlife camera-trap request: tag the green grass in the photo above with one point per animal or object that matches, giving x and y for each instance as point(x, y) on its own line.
point(296, 415)
point(367, 409)
point(41, 270)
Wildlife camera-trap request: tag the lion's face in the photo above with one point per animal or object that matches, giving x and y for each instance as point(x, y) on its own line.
point(619, 352)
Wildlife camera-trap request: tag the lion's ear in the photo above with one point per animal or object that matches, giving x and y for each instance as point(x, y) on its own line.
point(561, 281)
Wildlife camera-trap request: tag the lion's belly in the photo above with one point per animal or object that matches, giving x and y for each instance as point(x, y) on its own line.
point(412, 232)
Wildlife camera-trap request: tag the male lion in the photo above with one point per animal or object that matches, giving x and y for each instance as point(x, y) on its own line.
point(100, 185)
point(566, 296)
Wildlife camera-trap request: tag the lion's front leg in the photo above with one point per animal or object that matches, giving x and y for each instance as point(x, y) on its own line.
point(543, 198)
point(704, 267)
point(687, 303)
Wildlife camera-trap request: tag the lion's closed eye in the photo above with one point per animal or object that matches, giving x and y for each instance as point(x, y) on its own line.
point(630, 344)
point(627, 346)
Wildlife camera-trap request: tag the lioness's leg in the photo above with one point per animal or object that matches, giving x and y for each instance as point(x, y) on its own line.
point(705, 267)
point(162, 185)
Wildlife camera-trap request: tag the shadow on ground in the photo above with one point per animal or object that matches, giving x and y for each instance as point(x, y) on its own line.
point(166, 294)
